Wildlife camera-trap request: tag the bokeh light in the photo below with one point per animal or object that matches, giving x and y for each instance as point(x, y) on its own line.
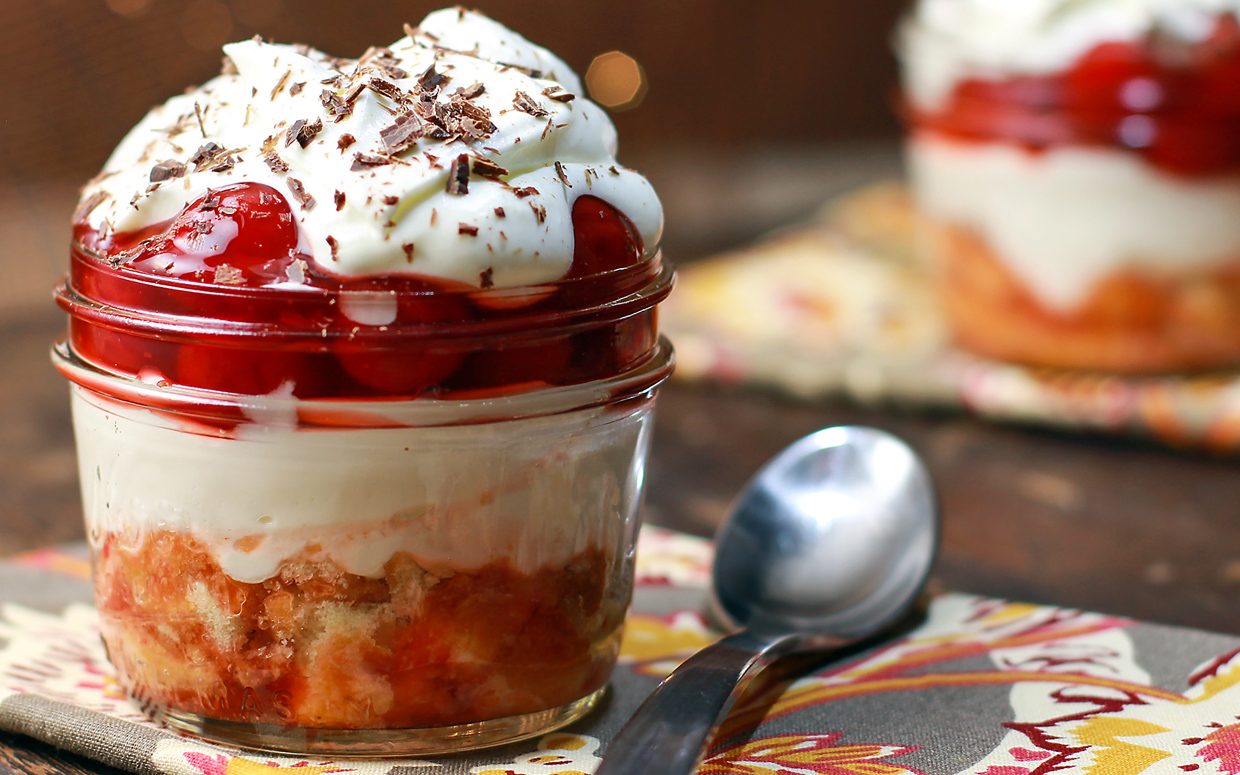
point(616, 81)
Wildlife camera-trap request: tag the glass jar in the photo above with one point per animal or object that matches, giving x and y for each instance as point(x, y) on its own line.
point(1086, 217)
point(412, 534)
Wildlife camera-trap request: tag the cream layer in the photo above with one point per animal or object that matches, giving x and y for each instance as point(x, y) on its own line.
point(535, 491)
point(1063, 219)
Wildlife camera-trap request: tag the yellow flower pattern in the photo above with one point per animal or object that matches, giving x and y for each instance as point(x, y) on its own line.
point(558, 754)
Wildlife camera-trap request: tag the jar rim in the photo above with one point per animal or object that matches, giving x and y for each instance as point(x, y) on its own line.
point(630, 290)
point(340, 413)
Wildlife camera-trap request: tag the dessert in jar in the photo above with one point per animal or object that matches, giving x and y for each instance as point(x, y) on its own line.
point(1078, 164)
point(363, 355)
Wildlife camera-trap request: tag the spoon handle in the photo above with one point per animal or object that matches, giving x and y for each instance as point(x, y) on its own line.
point(668, 733)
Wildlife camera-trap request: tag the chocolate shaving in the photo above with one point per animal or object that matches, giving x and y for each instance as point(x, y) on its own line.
point(226, 274)
point(562, 174)
point(540, 212)
point(431, 80)
point(210, 202)
point(558, 94)
point(167, 170)
point(391, 200)
point(299, 191)
point(353, 93)
point(435, 132)
point(335, 247)
point(338, 198)
point(458, 176)
point(275, 163)
point(280, 84)
point(525, 191)
point(526, 104)
point(88, 205)
point(486, 168)
point(345, 141)
point(402, 134)
point(198, 113)
point(408, 247)
point(613, 170)
point(363, 161)
point(302, 132)
point(531, 72)
point(499, 213)
point(205, 153)
point(335, 107)
point(486, 277)
point(471, 92)
point(386, 88)
point(389, 65)
point(296, 88)
point(469, 230)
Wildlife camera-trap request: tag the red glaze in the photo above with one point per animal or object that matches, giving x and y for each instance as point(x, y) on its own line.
point(202, 264)
point(1178, 105)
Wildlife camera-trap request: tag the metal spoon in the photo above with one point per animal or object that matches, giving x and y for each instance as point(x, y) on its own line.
point(830, 544)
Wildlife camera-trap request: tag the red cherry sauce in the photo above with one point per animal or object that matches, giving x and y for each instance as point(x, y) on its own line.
point(220, 259)
point(1177, 104)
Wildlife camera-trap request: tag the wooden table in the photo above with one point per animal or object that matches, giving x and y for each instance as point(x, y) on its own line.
point(1103, 524)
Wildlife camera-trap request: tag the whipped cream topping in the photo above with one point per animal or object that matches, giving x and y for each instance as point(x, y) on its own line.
point(945, 41)
point(456, 150)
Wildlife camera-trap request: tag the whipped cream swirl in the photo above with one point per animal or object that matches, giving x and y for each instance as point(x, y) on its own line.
point(945, 41)
point(457, 152)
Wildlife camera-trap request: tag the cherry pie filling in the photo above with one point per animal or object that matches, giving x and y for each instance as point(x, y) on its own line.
point(315, 646)
point(268, 319)
point(1175, 104)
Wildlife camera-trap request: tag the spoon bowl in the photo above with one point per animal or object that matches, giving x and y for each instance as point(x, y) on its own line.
point(829, 544)
point(835, 535)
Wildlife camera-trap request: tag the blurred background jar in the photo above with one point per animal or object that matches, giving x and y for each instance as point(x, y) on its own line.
point(1078, 169)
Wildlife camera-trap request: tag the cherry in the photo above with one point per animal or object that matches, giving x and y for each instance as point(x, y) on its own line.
point(604, 239)
point(408, 366)
point(381, 336)
point(1115, 77)
point(243, 234)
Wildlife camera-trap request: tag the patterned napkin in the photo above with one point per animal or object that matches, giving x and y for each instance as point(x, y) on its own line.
point(981, 687)
point(842, 306)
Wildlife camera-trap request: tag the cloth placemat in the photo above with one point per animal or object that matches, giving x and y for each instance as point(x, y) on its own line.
point(843, 306)
point(983, 687)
